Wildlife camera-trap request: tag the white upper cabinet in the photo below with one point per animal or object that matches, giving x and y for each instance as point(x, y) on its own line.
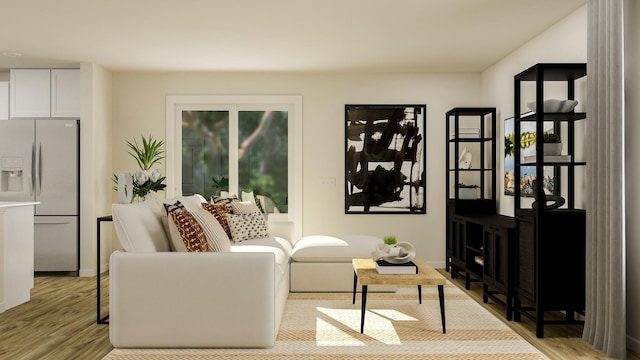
point(4, 100)
point(30, 93)
point(65, 93)
point(43, 93)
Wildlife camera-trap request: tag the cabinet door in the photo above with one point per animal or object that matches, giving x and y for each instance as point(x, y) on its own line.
point(4, 100)
point(65, 93)
point(30, 93)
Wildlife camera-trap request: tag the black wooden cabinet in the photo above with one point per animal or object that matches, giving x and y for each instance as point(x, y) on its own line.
point(550, 242)
point(498, 276)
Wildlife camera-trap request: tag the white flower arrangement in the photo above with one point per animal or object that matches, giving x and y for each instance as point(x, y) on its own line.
point(146, 179)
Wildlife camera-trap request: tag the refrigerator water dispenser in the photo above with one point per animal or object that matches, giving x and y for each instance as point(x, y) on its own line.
point(11, 174)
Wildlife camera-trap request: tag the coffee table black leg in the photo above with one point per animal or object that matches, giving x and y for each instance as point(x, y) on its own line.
point(364, 307)
point(441, 296)
point(420, 294)
point(355, 282)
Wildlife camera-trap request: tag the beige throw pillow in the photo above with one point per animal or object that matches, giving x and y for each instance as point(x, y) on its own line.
point(247, 226)
point(243, 207)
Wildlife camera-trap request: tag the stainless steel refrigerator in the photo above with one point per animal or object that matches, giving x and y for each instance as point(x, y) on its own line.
point(39, 161)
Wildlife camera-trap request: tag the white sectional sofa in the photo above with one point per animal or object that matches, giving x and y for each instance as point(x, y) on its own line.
point(164, 299)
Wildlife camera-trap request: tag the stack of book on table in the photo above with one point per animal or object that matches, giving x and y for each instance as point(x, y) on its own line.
point(385, 267)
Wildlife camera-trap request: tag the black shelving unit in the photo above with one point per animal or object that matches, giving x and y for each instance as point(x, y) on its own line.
point(473, 128)
point(550, 242)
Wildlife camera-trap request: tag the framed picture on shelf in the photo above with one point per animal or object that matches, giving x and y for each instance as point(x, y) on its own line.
point(528, 148)
point(385, 155)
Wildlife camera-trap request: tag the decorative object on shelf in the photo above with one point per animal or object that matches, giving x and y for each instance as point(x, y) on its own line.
point(385, 159)
point(399, 253)
point(555, 106)
point(464, 161)
point(550, 201)
point(552, 144)
point(467, 191)
point(146, 179)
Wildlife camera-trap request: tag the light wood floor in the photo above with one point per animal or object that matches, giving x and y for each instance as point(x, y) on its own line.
point(60, 323)
point(560, 341)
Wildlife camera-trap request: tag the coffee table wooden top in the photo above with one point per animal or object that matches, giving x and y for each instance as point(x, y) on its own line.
point(368, 275)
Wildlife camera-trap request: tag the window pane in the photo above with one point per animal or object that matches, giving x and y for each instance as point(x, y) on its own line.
point(205, 152)
point(263, 157)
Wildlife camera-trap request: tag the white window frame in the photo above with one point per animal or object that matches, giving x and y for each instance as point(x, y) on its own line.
point(176, 104)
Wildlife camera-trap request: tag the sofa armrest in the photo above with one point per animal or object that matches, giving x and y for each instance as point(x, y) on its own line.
point(192, 300)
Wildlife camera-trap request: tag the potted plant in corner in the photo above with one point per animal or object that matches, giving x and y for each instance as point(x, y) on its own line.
point(468, 191)
point(552, 144)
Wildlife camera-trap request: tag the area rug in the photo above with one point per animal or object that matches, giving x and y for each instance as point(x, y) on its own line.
point(327, 326)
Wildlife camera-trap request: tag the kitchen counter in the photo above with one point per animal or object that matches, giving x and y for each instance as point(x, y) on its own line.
point(16, 253)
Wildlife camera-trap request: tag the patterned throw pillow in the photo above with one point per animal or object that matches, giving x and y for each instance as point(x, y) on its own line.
point(219, 211)
point(226, 200)
point(186, 233)
point(178, 206)
point(247, 226)
point(217, 238)
point(243, 207)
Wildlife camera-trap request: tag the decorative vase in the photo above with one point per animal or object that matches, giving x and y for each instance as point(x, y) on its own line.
point(468, 193)
point(125, 188)
point(552, 148)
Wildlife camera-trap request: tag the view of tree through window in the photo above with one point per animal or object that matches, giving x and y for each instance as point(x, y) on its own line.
point(262, 155)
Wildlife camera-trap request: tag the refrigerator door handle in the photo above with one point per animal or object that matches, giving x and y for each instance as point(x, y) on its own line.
point(40, 168)
point(33, 168)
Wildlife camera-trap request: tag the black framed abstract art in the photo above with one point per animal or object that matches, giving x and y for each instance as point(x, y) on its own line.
point(385, 168)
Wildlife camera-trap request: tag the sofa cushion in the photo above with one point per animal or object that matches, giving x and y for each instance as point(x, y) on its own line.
point(247, 226)
point(280, 248)
point(334, 248)
point(139, 226)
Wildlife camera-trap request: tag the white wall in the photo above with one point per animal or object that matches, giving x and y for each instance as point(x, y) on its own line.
point(95, 163)
point(565, 42)
point(139, 108)
point(632, 94)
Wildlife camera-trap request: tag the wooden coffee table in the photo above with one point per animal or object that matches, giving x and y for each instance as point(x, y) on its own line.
point(365, 271)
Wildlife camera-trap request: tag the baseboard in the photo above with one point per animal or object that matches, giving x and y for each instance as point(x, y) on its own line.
point(633, 344)
point(437, 264)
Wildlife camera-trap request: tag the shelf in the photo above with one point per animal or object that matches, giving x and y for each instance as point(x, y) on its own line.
point(474, 250)
point(554, 72)
point(555, 163)
point(471, 170)
point(470, 139)
point(573, 116)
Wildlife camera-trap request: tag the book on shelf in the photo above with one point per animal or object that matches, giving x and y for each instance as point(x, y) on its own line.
point(548, 158)
point(385, 267)
point(466, 133)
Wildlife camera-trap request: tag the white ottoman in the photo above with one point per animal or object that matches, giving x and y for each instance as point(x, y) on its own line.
point(322, 263)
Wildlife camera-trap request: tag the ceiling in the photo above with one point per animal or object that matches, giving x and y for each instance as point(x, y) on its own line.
point(272, 35)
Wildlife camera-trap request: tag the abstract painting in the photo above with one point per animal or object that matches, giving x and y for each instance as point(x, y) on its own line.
point(385, 159)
